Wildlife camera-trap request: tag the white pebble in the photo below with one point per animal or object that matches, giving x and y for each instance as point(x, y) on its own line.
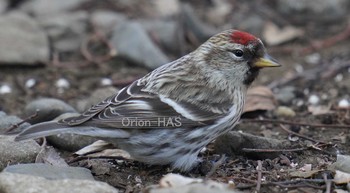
point(106, 82)
point(30, 83)
point(5, 89)
point(313, 58)
point(343, 103)
point(299, 68)
point(62, 83)
point(338, 78)
point(314, 99)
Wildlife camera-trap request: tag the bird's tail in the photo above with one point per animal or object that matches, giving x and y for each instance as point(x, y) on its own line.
point(54, 128)
point(42, 130)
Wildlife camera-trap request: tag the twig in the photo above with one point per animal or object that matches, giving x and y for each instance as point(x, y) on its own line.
point(98, 157)
point(321, 44)
point(276, 121)
point(328, 183)
point(299, 135)
point(258, 182)
point(14, 126)
point(273, 150)
point(215, 166)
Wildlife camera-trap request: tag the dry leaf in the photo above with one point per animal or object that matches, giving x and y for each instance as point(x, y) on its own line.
point(273, 35)
point(174, 180)
point(118, 153)
point(259, 98)
point(97, 146)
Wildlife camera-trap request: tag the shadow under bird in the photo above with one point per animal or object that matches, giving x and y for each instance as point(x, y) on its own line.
point(170, 114)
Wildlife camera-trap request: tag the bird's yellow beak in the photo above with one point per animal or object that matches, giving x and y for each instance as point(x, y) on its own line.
point(266, 61)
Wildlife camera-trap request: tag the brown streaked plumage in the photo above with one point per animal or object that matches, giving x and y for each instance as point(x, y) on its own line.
point(203, 92)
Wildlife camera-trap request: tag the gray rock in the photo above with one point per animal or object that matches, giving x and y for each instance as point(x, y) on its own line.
point(12, 152)
point(19, 183)
point(66, 30)
point(3, 5)
point(286, 95)
point(70, 142)
point(233, 142)
point(22, 41)
point(50, 172)
point(316, 10)
point(107, 20)
point(48, 7)
point(48, 109)
point(132, 42)
point(96, 97)
point(7, 121)
point(192, 22)
point(164, 32)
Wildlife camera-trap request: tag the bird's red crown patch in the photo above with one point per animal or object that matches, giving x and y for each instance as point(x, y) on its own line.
point(242, 37)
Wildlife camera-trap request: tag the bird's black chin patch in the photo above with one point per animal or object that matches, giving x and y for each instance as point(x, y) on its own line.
point(251, 75)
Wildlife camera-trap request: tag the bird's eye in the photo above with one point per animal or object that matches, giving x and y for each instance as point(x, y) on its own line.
point(238, 53)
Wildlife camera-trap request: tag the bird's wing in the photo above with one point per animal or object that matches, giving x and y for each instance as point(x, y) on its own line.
point(134, 108)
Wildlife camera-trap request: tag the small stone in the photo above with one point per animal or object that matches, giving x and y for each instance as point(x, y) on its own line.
point(314, 58)
point(286, 95)
point(50, 171)
point(344, 103)
point(314, 99)
point(12, 152)
point(62, 83)
point(5, 89)
point(338, 77)
point(7, 121)
point(47, 109)
point(18, 183)
point(30, 83)
point(106, 82)
point(284, 111)
point(49, 7)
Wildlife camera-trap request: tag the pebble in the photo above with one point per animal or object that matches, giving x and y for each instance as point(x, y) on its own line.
point(50, 171)
point(30, 83)
point(284, 111)
point(49, 7)
point(19, 183)
point(5, 89)
point(12, 152)
point(344, 103)
point(314, 99)
point(47, 108)
point(286, 95)
point(107, 20)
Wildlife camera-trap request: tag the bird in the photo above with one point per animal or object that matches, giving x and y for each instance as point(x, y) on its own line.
point(170, 114)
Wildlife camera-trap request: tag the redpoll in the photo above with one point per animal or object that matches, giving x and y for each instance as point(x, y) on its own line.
point(170, 114)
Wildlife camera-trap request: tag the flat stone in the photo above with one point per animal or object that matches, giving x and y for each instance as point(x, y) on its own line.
point(19, 183)
point(12, 152)
point(47, 109)
point(48, 7)
point(50, 172)
point(22, 41)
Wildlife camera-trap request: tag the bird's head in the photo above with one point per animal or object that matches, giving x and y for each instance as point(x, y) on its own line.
point(235, 56)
